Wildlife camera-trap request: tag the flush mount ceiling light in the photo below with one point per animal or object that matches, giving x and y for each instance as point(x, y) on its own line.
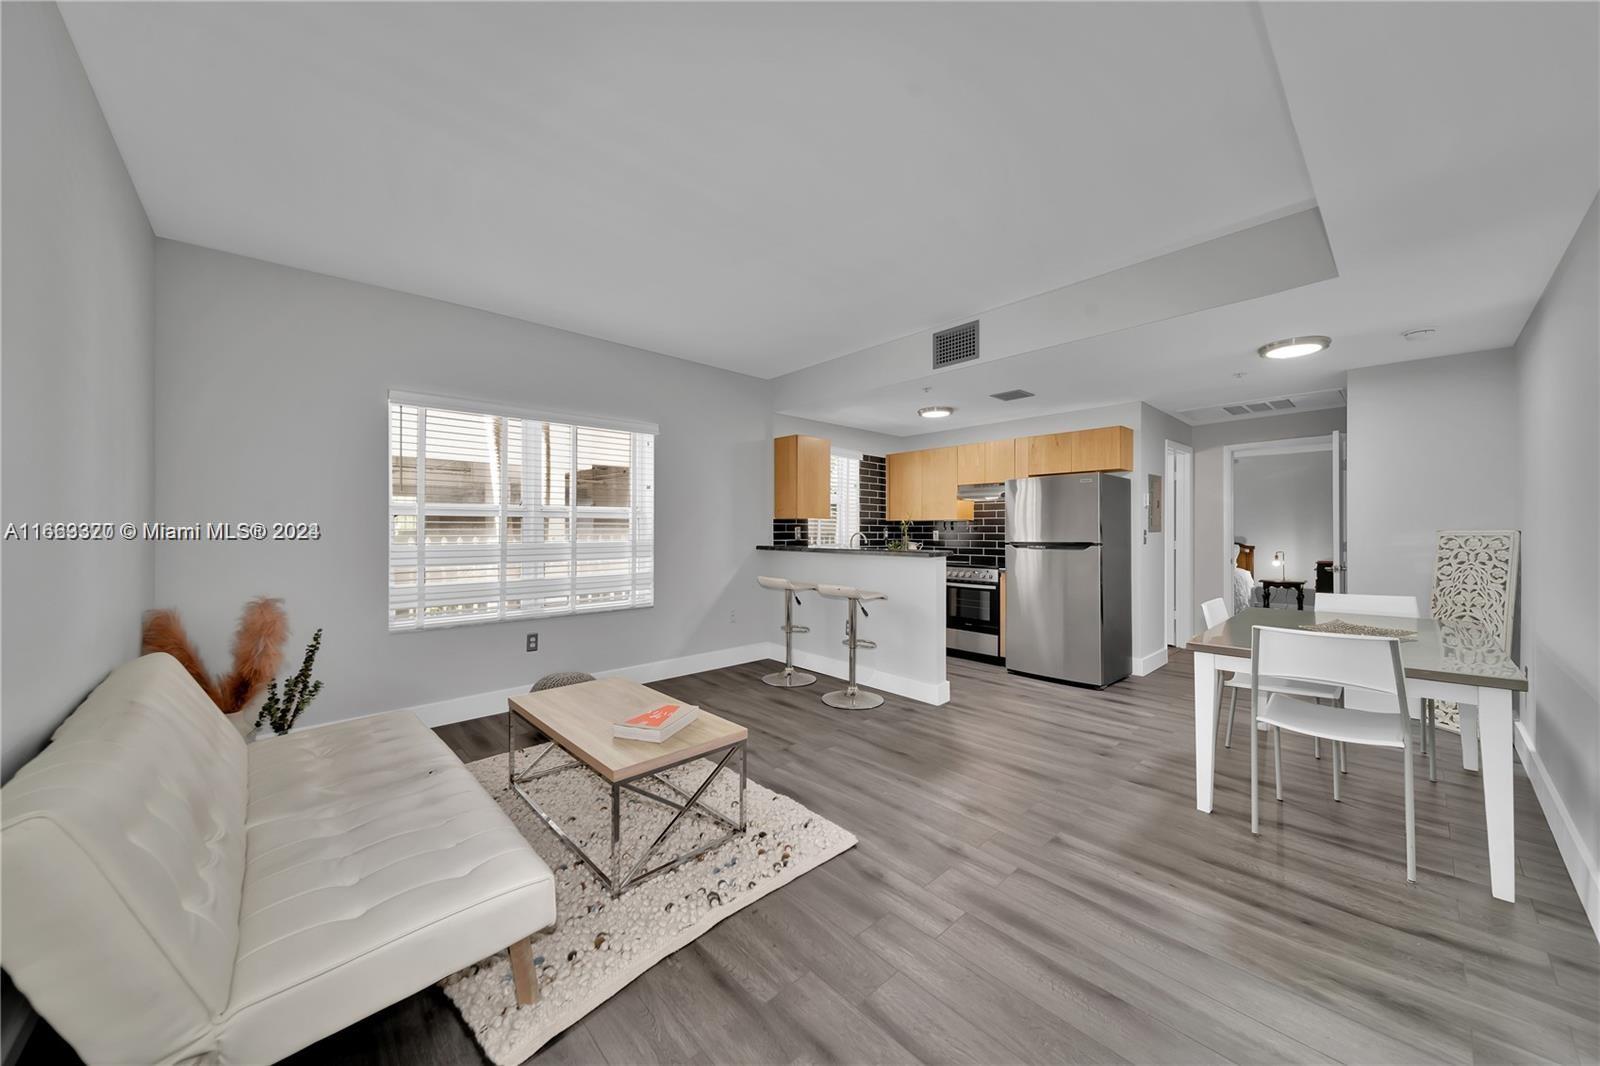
point(936, 412)
point(1293, 347)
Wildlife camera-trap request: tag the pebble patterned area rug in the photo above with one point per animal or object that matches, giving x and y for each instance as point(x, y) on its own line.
point(600, 944)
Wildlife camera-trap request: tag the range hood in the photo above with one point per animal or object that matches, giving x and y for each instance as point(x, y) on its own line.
point(987, 490)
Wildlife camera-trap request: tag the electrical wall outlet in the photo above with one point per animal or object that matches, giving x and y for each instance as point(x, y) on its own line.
point(533, 642)
point(733, 617)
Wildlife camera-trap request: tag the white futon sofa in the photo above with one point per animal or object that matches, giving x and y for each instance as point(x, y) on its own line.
point(171, 894)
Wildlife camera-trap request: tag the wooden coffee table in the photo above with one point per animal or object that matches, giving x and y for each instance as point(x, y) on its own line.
point(578, 720)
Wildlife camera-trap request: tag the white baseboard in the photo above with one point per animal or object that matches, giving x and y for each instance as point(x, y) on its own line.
point(464, 708)
point(644, 673)
point(867, 676)
point(1149, 664)
point(481, 704)
point(1580, 864)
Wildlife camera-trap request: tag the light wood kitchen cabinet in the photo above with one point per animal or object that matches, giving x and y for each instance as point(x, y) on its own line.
point(938, 488)
point(800, 477)
point(922, 485)
point(984, 462)
point(1002, 652)
point(1109, 448)
point(904, 496)
point(1020, 464)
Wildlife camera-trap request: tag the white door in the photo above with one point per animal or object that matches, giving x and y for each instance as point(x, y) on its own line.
point(1178, 531)
point(1337, 452)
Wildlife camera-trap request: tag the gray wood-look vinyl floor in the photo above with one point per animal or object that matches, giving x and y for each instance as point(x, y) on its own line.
point(1033, 884)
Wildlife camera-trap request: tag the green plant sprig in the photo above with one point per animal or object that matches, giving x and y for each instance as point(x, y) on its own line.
point(281, 709)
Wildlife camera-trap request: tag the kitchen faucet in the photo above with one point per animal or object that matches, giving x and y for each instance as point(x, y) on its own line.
point(851, 543)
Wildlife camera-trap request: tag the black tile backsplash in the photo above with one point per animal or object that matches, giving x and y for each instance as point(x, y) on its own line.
point(979, 542)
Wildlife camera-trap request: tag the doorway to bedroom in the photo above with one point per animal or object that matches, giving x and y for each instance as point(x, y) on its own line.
point(1283, 510)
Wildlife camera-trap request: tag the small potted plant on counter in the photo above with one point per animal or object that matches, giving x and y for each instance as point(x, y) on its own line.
point(905, 543)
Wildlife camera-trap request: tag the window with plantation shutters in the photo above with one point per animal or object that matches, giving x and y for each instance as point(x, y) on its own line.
point(844, 501)
point(515, 515)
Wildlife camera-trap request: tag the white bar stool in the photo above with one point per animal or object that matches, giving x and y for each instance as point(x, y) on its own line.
point(851, 698)
point(789, 677)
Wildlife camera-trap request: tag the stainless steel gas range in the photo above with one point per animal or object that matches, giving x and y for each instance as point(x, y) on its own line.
point(972, 611)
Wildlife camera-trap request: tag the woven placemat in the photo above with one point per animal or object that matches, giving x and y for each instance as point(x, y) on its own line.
point(1356, 629)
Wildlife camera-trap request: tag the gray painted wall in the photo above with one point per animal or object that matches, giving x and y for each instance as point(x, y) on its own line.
point(1559, 369)
point(1285, 503)
point(271, 406)
point(78, 340)
point(1149, 549)
point(856, 440)
point(1433, 445)
point(1209, 546)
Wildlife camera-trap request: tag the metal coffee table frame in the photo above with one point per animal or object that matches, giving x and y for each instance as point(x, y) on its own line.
point(614, 879)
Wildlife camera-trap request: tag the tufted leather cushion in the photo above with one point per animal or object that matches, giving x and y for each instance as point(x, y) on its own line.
point(124, 853)
point(374, 859)
point(172, 894)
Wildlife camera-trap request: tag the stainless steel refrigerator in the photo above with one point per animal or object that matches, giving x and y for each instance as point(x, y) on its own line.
point(1069, 583)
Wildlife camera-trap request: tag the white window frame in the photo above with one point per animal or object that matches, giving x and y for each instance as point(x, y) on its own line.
point(640, 510)
point(844, 500)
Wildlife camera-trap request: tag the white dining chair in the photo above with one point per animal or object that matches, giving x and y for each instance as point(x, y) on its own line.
point(1394, 607)
point(1215, 613)
point(1369, 665)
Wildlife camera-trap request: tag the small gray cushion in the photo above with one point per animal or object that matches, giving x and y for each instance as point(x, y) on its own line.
point(560, 681)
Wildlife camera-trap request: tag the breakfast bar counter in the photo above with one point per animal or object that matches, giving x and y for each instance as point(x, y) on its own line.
point(908, 624)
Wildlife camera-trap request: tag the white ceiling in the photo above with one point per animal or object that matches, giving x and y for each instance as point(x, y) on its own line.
point(759, 187)
point(767, 187)
point(1453, 150)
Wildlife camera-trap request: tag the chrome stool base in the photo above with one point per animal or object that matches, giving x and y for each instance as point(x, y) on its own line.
point(789, 679)
point(858, 700)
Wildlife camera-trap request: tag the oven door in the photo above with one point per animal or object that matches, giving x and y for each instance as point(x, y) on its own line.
point(974, 608)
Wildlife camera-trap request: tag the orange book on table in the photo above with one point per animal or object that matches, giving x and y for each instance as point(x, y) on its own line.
point(656, 724)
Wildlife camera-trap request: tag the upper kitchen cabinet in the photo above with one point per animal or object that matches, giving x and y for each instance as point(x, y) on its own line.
point(904, 497)
point(985, 462)
point(939, 502)
point(922, 487)
point(1109, 448)
point(800, 477)
point(1106, 449)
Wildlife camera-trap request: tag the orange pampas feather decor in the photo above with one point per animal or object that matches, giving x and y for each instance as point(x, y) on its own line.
point(163, 631)
point(257, 652)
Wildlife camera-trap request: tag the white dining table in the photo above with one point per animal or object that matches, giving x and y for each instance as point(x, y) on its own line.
point(1445, 661)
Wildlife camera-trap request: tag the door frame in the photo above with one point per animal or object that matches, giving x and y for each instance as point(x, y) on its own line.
point(1332, 443)
point(1177, 552)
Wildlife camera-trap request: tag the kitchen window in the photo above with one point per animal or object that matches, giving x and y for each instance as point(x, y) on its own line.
point(844, 501)
point(523, 515)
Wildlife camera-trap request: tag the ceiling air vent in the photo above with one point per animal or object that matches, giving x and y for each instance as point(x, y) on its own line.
point(1281, 405)
point(1010, 394)
point(1237, 409)
point(958, 344)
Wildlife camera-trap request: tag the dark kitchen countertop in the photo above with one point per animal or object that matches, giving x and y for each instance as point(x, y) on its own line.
point(923, 554)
